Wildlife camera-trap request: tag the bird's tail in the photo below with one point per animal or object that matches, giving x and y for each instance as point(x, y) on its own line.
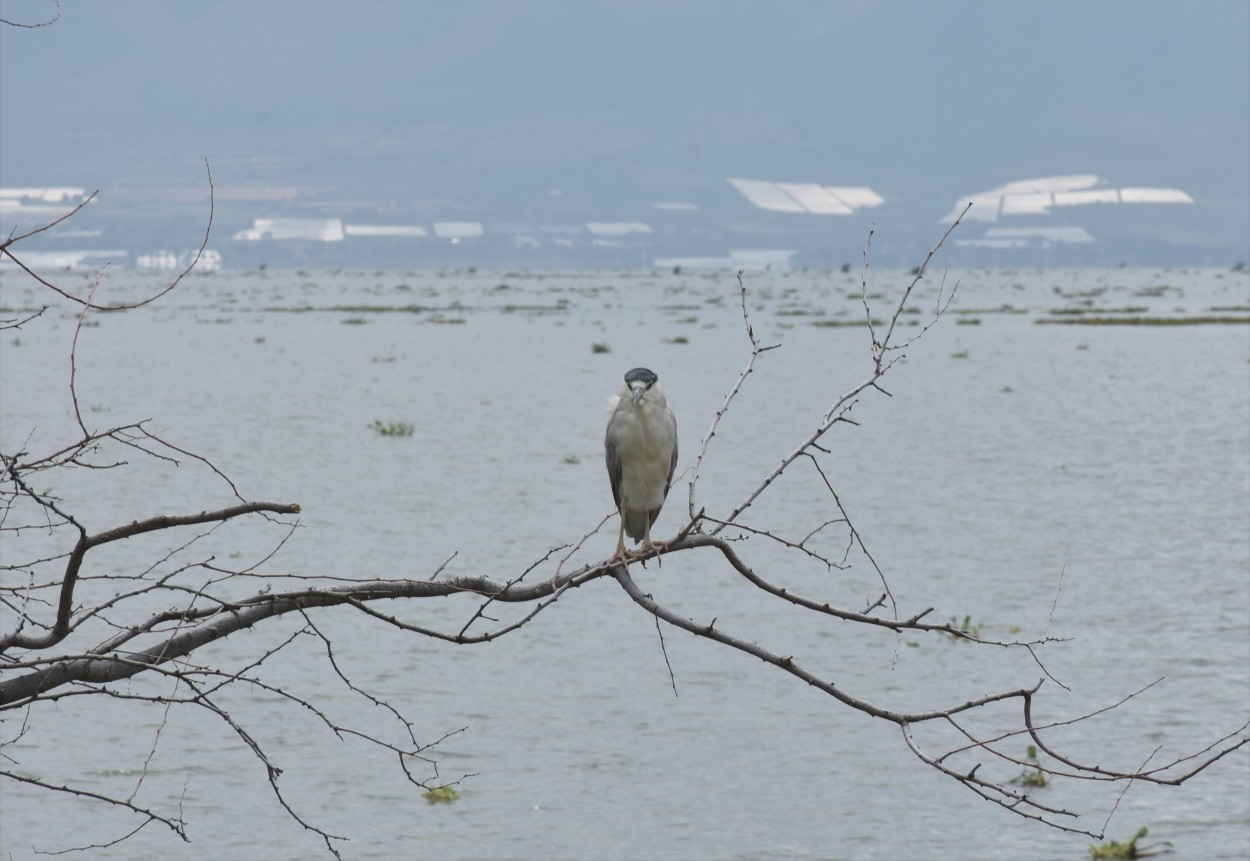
point(636, 522)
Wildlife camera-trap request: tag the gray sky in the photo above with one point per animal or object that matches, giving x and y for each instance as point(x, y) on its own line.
point(501, 103)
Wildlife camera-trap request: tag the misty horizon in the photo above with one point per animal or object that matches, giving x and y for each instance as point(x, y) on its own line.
point(631, 134)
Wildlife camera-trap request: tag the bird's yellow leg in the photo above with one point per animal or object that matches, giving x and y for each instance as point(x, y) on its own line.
point(621, 553)
point(648, 544)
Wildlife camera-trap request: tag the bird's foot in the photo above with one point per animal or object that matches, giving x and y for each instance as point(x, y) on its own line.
point(655, 548)
point(644, 551)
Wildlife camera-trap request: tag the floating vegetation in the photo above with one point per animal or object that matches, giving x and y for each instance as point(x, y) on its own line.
point(1199, 320)
point(381, 309)
point(966, 627)
point(679, 339)
point(353, 321)
point(1032, 774)
point(962, 354)
point(1080, 294)
point(572, 459)
point(1136, 309)
point(558, 308)
point(968, 321)
point(351, 309)
point(1113, 850)
point(1001, 309)
point(843, 323)
point(600, 347)
point(442, 795)
point(393, 428)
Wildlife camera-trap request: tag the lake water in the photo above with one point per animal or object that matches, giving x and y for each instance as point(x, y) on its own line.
point(1011, 453)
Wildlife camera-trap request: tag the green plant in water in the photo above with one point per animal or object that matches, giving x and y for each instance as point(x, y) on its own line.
point(1113, 850)
point(1032, 774)
point(967, 626)
point(442, 795)
point(393, 428)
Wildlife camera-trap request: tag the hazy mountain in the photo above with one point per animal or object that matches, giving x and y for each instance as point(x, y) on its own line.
point(522, 114)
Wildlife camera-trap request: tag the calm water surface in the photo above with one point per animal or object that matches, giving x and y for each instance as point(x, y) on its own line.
point(1011, 453)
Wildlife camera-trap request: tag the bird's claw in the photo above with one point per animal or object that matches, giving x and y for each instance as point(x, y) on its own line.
point(624, 554)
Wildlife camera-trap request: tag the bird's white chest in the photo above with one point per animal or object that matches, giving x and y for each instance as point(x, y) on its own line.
point(645, 441)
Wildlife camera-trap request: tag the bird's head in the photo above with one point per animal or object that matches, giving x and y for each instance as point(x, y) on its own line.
point(639, 381)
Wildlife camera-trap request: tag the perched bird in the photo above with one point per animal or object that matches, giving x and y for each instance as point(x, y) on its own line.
point(640, 448)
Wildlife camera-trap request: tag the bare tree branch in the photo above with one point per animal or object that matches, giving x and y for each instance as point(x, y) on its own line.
point(79, 632)
point(7, 250)
point(757, 349)
point(86, 542)
point(38, 24)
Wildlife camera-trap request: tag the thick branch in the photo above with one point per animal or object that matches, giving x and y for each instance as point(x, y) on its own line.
point(218, 622)
point(61, 627)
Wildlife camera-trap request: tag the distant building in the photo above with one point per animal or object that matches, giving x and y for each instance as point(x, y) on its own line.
point(37, 204)
point(157, 260)
point(1038, 213)
point(209, 260)
point(806, 197)
point(282, 229)
point(69, 259)
point(1038, 196)
point(458, 230)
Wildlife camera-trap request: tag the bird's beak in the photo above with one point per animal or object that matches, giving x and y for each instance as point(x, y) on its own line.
point(639, 391)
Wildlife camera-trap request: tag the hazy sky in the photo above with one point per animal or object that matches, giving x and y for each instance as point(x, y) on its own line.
point(509, 100)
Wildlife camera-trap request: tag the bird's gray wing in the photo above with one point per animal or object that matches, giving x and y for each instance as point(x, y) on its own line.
point(672, 464)
point(613, 461)
point(654, 513)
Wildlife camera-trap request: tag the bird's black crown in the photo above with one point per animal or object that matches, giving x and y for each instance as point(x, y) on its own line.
point(641, 375)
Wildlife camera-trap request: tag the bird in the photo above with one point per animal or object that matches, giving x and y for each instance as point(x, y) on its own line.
point(640, 449)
